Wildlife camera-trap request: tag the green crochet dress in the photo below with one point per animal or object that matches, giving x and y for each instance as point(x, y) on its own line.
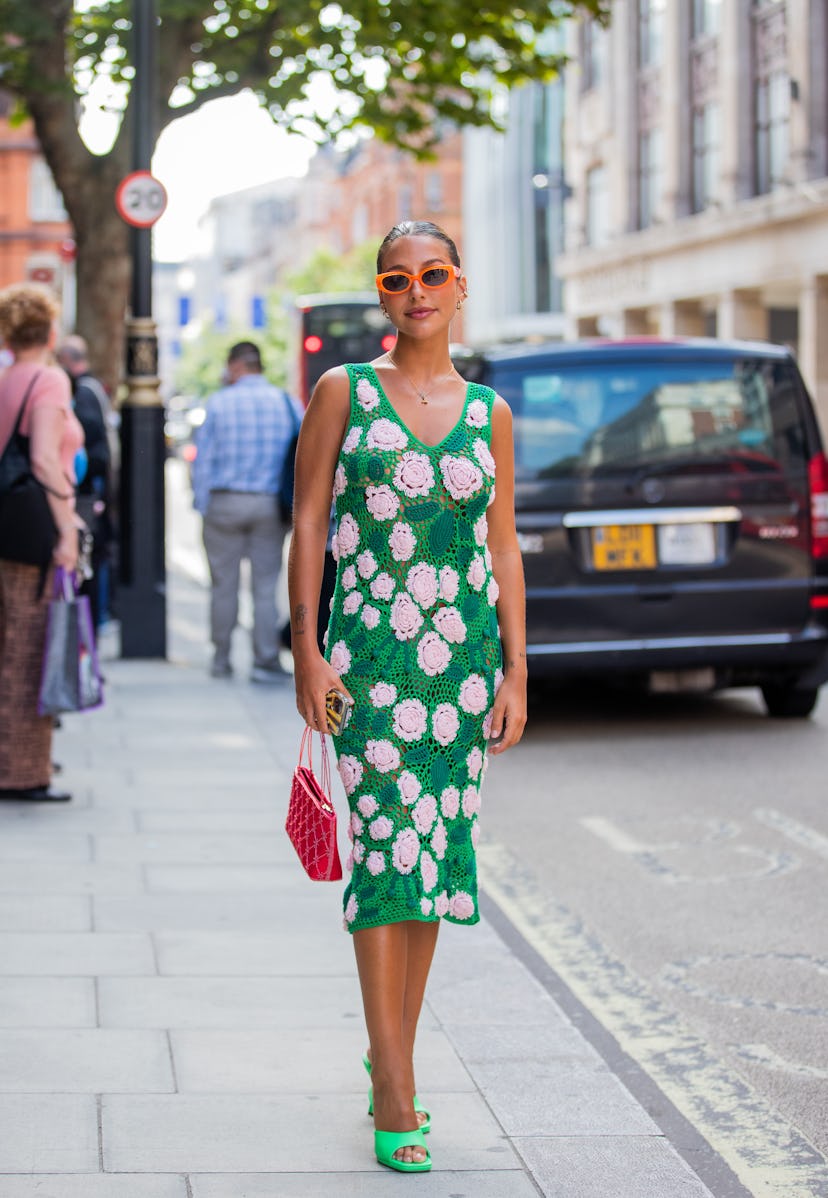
point(413, 633)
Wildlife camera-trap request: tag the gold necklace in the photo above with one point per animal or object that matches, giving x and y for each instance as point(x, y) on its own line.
point(422, 395)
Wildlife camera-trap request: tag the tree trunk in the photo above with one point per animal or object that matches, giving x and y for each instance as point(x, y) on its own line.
point(104, 268)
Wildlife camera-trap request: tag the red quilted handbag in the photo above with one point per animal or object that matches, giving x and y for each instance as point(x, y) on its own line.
point(311, 819)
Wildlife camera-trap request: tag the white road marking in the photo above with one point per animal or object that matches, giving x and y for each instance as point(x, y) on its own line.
point(760, 1054)
point(770, 1157)
point(800, 834)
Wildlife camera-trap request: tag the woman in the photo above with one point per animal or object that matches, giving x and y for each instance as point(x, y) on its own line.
point(428, 570)
point(27, 316)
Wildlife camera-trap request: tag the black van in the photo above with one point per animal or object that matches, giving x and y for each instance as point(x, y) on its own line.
point(672, 509)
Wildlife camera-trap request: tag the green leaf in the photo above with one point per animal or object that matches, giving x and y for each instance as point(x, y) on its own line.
point(389, 794)
point(440, 774)
point(441, 533)
point(377, 541)
point(455, 672)
point(376, 470)
point(417, 755)
point(422, 511)
point(470, 608)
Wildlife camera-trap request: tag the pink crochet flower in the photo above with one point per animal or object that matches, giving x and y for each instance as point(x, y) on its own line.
point(475, 834)
point(474, 763)
point(428, 869)
point(487, 724)
point(352, 440)
point(439, 840)
point(414, 474)
point(402, 542)
point(450, 802)
point(367, 805)
point(347, 534)
point(425, 813)
point(441, 904)
point(356, 824)
point(381, 828)
point(351, 909)
point(445, 723)
point(348, 578)
point(349, 863)
point(405, 850)
point(449, 623)
point(433, 654)
point(484, 456)
point(366, 564)
point(462, 478)
point(461, 905)
point(492, 591)
point(367, 395)
point(471, 801)
point(381, 502)
point(426, 905)
point(359, 852)
point(476, 573)
point(370, 616)
point(339, 482)
point(383, 694)
point(383, 755)
point(382, 587)
point(422, 583)
point(350, 771)
point(449, 584)
point(351, 603)
point(375, 863)
point(481, 530)
point(477, 413)
point(474, 695)
point(409, 786)
point(340, 658)
point(405, 617)
point(492, 496)
point(410, 720)
point(386, 435)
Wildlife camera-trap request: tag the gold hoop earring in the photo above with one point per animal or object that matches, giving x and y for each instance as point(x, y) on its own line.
point(384, 311)
point(459, 305)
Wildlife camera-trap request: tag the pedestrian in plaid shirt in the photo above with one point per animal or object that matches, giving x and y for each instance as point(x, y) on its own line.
point(242, 448)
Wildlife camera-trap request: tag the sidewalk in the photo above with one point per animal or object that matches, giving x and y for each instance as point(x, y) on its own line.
point(179, 1012)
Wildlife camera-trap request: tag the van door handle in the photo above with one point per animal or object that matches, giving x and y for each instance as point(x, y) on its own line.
point(654, 595)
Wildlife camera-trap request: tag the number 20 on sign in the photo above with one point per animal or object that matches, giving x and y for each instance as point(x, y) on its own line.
point(140, 199)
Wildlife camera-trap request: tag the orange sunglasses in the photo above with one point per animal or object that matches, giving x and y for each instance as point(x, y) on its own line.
point(397, 282)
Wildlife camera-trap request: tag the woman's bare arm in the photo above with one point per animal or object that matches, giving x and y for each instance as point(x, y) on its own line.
point(509, 716)
point(320, 438)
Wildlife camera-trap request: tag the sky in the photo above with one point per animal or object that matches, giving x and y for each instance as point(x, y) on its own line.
point(226, 146)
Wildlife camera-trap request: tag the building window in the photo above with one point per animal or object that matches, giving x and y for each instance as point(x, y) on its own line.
point(706, 139)
point(597, 206)
point(405, 200)
point(593, 54)
point(650, 32)
point(45, 201)
point(650, 175)
point(707, 15)
point(772, 96)
point(434, 191)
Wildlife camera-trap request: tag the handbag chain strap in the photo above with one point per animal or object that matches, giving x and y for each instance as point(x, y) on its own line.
point(307, 743)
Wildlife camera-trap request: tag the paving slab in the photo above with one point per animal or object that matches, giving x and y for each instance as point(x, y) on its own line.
point(230, 819)
point(29, 846)
point(248, 1003)
point(45, 913)
point(217, 878)
point(70, 879)
point(265, 1134)
point(47, 1002)
point(223, 954)
point(75, 954)
point(638, 1167)
point(199, 911)
point(98, 1185)
point(48, 1133)
point(192, 848)
point(81, 1061)
point(378, 1183)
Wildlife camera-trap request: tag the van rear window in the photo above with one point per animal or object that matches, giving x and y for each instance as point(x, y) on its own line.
point(607, 418)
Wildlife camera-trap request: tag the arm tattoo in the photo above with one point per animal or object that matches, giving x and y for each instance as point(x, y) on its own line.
point(299, 613)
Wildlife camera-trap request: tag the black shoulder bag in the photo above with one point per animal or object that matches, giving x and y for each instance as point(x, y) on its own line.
point(289, 468)
point(28, 532)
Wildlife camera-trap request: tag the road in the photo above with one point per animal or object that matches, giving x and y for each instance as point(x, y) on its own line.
point(667, 859)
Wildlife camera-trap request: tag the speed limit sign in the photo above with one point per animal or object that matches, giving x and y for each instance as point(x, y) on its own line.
point(140, 199)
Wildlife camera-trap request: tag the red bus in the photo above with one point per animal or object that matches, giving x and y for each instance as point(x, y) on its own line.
point(337, 328)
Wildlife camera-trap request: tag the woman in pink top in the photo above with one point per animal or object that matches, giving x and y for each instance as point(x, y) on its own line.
point(27, 316)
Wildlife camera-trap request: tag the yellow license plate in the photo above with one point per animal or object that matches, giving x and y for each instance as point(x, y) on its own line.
point(624, 547)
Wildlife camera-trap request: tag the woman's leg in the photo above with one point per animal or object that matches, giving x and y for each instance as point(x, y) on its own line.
point(422, 941)
point(384, 955)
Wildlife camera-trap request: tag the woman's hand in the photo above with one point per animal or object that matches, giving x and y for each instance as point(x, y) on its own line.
point(65, 553)
point(314, 677)
point(508, 714)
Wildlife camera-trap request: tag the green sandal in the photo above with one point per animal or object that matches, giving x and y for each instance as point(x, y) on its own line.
point(386, 1143)
point(425, 1126)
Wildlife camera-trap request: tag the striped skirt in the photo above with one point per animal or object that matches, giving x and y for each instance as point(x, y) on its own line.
point(25, 737)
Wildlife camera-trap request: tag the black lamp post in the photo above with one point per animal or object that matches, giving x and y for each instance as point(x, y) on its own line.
point(142, 593)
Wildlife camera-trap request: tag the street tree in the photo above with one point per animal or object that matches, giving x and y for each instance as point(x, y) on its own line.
point(397, 68)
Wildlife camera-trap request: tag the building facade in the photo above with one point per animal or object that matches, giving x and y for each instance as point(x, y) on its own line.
point(696, 144)
point(35, 234)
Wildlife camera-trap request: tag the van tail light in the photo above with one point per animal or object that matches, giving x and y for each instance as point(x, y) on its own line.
point(818, 480)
